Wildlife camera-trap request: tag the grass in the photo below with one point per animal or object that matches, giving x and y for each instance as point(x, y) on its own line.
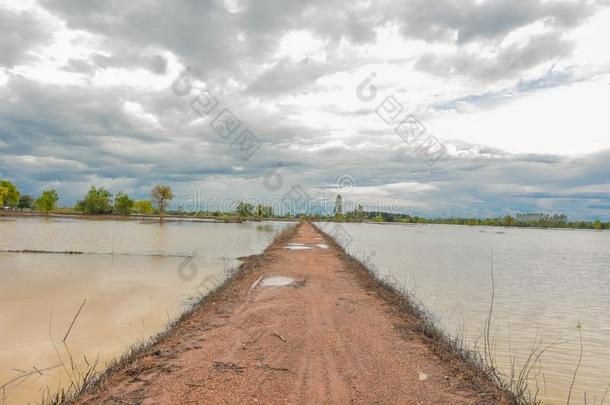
point(577, 367)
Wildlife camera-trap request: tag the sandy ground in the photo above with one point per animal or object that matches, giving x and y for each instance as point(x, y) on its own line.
point(325, 338)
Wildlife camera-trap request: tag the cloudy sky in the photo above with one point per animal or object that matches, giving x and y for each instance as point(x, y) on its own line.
point(130, 94)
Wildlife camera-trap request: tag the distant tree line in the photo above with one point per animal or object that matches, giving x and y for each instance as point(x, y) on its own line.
point(99, 201)
point(508, 220)
point(537, 220)
point(11, 198)
point(243, 210)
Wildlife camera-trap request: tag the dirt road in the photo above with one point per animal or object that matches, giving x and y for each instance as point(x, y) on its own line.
point(323, 338)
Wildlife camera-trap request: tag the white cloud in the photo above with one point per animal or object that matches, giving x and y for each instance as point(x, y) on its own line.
point(568, 120)
point(91, 84)
point(299, 45)
point(3, 78)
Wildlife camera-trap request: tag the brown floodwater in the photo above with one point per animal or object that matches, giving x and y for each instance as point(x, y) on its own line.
point(133, 278)
point(547, 281)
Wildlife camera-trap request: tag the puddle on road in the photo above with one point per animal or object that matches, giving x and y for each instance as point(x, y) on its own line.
point(297, 247)
point(276, 281)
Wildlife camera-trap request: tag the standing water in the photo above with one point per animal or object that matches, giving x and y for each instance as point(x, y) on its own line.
point(546, 283)
point(132, 277)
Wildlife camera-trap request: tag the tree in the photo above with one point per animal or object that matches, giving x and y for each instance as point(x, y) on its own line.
point(263, 211)
point(161, 196)
point(508, 220)
point(472, 221)
point(338, 206)
point(26, 202)
point(123, 205)
point(359, 213)
point(80, 206)
point(267, 211)
point(143, 207)
point(244, 209)
point(378, 218)
point(9, 195)
point(47, 201)
point(97, 201)
point(597, 224)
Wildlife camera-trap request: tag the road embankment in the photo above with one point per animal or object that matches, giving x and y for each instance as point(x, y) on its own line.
point(301, 323)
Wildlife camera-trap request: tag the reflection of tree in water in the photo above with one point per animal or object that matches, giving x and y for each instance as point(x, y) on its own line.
point(265, 228)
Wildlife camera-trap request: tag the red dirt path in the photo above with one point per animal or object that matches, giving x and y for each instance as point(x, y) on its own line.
point(327, 339)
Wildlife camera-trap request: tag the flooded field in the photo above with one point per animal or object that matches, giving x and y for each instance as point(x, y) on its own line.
point(132, 278)
point(546, 283)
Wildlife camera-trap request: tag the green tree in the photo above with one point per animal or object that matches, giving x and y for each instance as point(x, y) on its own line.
point(508, 220)
point(263, 211)
point(80, 206)
point(161, 196)
point(338, 211)
point(123, 205)
point(9, 195)
point(359, 213)
point(26, 202)
point(597, 224)
point(97, 201)
point(244, 209)
point(472, 221)
point(259, 211)
point(143, 207)
point(378, 218)
point(47, 201)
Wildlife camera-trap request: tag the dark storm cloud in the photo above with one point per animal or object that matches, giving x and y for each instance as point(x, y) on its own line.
point(209, 37)
point(21, 33)
point(72, 136)
point(465, 186)
point(332, 20)
point(487, 23)
point(205, 34)
point(59, 137)
point(471, 20)
point(562, 184)
point(202, 33)
point(72, 133)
